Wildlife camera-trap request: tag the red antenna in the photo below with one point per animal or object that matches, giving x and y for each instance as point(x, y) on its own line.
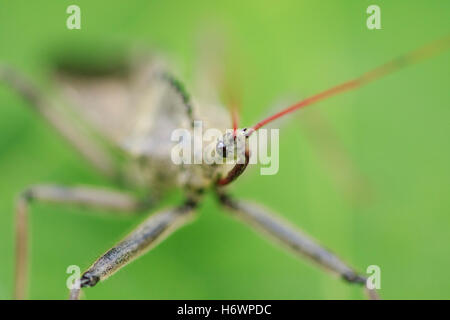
point(410, 58)
point(235, 119)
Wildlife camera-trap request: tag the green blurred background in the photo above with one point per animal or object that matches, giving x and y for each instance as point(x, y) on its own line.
point(395, 131)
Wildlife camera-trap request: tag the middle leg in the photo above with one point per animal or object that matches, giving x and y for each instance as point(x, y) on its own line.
point(90, 197)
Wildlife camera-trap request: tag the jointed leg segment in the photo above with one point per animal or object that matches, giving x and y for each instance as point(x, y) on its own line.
point(44, 105)
point(294, 239)
point(85, 196)
point(143, 238)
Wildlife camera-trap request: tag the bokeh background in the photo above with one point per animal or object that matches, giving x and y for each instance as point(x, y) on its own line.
point(389, 205)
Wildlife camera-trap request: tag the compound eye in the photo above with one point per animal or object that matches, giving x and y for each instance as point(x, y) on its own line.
point(221, 149)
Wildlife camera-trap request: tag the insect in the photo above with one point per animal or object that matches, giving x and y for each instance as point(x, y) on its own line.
point(127, 113)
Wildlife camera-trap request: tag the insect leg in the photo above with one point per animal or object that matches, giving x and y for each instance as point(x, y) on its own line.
point(146, 236)
point(180, 90)
point(86, 196)
point(45, 107)
point(294, 239)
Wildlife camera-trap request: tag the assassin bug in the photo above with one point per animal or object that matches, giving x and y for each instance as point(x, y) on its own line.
point(132, 109)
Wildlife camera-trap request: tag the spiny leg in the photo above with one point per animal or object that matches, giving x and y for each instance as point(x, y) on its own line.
point(294, 239)
point(146, 236)
point(86, 196)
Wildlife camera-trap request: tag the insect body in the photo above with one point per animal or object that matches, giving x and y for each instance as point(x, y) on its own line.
point(126, 117)
point(147, 105)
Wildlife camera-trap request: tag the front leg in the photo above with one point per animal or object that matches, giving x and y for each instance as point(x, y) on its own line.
point(85, 196)
point(294, 239)
point(145, 237)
